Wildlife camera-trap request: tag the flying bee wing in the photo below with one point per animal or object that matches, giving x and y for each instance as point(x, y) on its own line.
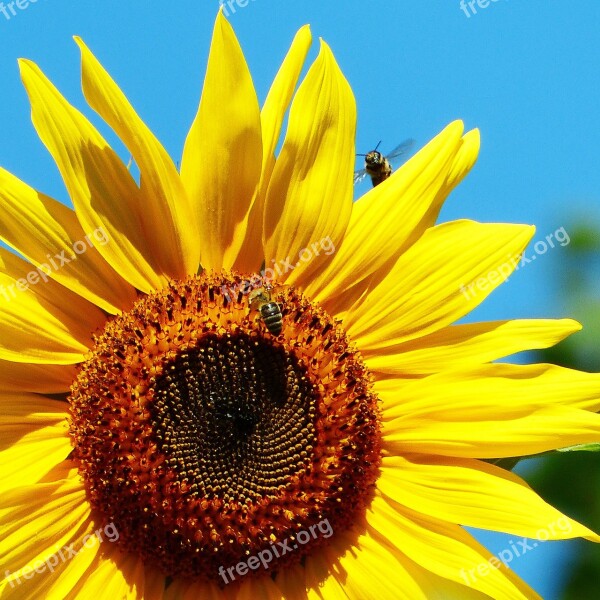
point(400, 149)
point(359, 175)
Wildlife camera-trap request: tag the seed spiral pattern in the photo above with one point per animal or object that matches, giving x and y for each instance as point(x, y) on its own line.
point(235, 417)
point(205, 439)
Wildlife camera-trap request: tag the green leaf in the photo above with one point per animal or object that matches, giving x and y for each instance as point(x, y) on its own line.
point(582, 448)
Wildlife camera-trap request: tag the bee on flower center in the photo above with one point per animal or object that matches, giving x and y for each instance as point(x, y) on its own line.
point(270, 311)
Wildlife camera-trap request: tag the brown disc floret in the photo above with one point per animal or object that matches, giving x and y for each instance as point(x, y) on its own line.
point(206, 439)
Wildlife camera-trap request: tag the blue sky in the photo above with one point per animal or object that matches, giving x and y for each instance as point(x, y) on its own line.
point(524, 71)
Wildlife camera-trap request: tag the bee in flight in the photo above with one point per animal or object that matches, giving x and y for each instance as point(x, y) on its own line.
point(270, 311)
point(379, 167)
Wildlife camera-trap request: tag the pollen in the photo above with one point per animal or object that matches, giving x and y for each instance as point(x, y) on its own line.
point(206, 438)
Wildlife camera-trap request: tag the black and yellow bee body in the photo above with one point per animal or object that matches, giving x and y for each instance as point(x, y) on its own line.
point(269, 310)
point(379, 167)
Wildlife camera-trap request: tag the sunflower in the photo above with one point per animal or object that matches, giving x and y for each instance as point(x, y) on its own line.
point(233, 382)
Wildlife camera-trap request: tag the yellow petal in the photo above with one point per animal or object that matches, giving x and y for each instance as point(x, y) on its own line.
point(97, 568)
point(422, 292)
point(444, 549)
point(463, 162)
point(222, 157)
point(489, 391)
point(272, 115)
point(279, 98)
point(474, 494)
point(491, 411)
point(310, 195)
point(502, 435)
point(38, 520)
point(440, 588)
point(35, 455)
point(45, 322)
point(65, 540)
point(76, 571)
point(321, 581)
point(458, 346)
point(44, 231)
point(58, 575)
point(389, 217)
point(116, 574)
point(166, 215)
point(357, 566)
point(29, 409)
point(44, 379)
point(105, 196)
point(427, 210)
point(330, 590)
point(33, 438)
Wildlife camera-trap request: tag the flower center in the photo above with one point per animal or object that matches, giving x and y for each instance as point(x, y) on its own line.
point(214, 422)
point(235, 417)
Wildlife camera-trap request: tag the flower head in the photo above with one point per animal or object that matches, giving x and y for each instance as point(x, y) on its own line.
point(235, 382)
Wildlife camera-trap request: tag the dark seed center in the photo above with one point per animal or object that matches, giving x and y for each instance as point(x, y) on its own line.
point(234, 417)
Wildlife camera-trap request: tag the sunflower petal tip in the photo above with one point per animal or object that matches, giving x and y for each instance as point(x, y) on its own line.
point(473, 136)
point(471, 146)
point(573, 325)
point(86, 53)
point(452, 132)
point(324, 46)
point(527, 232)
point(221, 19)
point(305, 32)
point(223, 29)
point(459, 125)
point(26, 66)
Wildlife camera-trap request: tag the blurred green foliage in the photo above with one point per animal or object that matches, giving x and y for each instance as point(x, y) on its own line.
point(571, 480)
